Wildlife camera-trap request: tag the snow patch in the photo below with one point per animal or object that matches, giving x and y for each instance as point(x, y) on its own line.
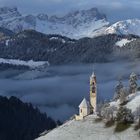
point(56, 38)
point(7, 42)
point(123, 42)
point(29, 63)
point(134, 102)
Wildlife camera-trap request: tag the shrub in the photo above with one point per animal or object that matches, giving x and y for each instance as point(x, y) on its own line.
point(109, 123)
point(124, 115)
point(137, 126)
point(122, 127)
point(98, 119)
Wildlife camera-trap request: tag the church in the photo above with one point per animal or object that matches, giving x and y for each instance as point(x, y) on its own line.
point(89, 107)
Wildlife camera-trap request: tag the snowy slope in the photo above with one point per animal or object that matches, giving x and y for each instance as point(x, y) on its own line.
point(130, 26)
point(77, 24)
point(88, 130)
point(134, 102)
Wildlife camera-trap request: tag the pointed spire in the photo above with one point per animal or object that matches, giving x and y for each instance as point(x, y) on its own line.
point(93, 73)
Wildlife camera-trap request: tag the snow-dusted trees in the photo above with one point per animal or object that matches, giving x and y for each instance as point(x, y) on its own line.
point(109, 112)
point(137, 117)
point(123, 95)
point(137, 113)
point(133, 83)
point(118, 88)
point(124, 115)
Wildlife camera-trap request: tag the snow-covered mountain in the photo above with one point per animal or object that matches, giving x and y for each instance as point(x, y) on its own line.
point(88, 129)
point(130, 26)
point(77, 24)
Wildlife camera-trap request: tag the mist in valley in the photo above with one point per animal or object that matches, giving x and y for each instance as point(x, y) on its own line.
point(58, 90)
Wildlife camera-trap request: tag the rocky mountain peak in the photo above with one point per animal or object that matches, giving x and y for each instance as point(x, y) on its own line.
point(90, 14)
point(42, 16)
point(79, 17)
point(130, 26)
point(76, 24)
point(8, 12)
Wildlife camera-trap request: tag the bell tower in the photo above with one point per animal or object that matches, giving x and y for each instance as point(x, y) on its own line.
point(93, 92)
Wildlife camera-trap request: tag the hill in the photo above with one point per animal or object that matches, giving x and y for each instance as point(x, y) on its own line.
point(92, 128)
point(56, 49)
point(21, 121)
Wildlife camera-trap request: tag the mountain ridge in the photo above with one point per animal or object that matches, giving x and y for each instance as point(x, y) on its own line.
point(77, 24)
point(56, 49)
point(130, 26)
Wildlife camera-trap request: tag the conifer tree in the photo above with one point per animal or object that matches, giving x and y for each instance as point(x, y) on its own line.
point(123, 95)
point(133, 83)
point(124, 115)
point(118, 88)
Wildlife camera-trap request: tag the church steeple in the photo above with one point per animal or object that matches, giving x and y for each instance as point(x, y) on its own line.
point(93, 92)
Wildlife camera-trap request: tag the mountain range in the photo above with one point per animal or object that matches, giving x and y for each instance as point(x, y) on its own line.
point(43, 38)
point(76, 24)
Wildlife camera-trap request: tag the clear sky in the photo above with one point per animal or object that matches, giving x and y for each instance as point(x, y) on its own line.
point(114, 9)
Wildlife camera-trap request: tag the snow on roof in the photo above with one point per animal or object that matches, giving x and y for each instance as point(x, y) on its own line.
point(84, 104)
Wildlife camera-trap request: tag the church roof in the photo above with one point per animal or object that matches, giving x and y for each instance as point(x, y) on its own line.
point(84, 104)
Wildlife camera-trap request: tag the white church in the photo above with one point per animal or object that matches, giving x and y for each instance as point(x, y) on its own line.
point(89, 107)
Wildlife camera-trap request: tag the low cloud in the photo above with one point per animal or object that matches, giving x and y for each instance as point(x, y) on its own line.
point(60, 94)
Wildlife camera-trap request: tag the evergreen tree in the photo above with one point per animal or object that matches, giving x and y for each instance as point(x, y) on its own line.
point(137, 117)
point(118, 88)
point(108, 112)
point(123, 95)
point(21, 121)
point(133, 83)
point(124, 115)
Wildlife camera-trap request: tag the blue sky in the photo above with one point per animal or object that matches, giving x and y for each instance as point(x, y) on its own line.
point(114, 9)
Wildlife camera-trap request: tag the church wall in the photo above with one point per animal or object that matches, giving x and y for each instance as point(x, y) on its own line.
point(84, 112)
